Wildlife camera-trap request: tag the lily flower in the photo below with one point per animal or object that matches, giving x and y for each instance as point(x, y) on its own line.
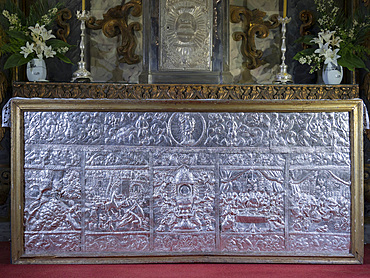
point(322, 49)
point(331, 56)
point(27, 50)
point(49, 52)
point(37, 29)
point(47, 35)
point(336, 41)
point(326, 35)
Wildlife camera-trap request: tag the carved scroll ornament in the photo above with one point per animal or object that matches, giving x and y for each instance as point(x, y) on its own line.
point(308, 21)
point(115, 22)
point(254, 26)
point(65, 29)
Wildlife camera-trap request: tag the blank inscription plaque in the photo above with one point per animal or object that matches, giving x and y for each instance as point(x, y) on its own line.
point(181, 181)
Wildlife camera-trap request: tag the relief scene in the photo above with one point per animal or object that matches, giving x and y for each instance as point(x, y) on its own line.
point(187, 182)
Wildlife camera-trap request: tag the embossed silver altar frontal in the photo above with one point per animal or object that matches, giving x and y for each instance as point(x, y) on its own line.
point(182, 183)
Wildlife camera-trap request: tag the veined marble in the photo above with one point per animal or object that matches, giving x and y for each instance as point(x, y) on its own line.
point(105, 66)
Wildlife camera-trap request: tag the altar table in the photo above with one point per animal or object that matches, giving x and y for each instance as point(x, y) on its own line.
point(142, 181)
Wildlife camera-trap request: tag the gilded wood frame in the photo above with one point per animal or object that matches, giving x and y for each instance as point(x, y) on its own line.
point(20, 106)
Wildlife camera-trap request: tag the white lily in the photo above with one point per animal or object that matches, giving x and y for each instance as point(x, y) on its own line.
point(37, 29)
point(27, 50)
point(49, 52)
point(322, 49)
point(39, 49)
point(318, 40)
point(336, 41)
point(331, 56)
point(326, 35)
point(47, 35)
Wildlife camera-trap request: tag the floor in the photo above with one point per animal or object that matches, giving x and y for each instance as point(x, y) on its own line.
point(180, 270)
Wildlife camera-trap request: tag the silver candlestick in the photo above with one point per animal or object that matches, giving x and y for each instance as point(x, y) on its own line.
point(283, 76)
point(82, 74)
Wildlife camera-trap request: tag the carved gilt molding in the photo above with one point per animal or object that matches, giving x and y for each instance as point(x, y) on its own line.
point(254, 26)
point(307, 18)
point(65, 29)
point(193, 91)
point(115, 23)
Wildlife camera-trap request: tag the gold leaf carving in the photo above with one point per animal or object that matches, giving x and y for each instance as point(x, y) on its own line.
point(115, 23)
point(254, 26)
point(64, 30)
point(307, 18)
point(181, 91)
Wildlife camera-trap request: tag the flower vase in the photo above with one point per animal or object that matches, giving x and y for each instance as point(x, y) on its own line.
point(36, 70)
point(332, 74)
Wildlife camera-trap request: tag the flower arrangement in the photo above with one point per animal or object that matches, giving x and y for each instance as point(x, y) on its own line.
point(338, 42)
point(28, 38)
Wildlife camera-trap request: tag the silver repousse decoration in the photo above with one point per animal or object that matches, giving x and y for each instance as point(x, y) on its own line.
point(153, 183)
point(186, 36)
point(186, 41)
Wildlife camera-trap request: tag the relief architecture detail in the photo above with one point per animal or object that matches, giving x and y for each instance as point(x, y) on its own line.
point(188, 182)
point(176, 91)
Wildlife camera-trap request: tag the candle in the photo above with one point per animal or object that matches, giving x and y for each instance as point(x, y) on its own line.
point(285, 7)
point(83, 5)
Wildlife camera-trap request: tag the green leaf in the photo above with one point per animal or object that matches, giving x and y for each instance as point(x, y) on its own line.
point(303, 53)
point(10, 48)
point(55, 43)
point(306, 40)
point(350, 61)
point(18, 35)
point(16, 60)
point(64, 58)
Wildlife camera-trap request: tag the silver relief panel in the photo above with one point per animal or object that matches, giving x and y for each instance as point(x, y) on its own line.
point(186, 35)
point(186, 182)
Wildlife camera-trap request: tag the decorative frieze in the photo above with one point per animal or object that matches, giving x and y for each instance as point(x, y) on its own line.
point(189, 91)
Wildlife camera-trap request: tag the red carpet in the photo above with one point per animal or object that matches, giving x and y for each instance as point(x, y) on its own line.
point(181, 270)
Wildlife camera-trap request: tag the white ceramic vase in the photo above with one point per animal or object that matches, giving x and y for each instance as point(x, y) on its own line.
point(36, 70)
point(332, 74)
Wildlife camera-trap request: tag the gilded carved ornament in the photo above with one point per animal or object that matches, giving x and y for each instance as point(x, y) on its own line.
point(115, 23)
point(253, 26)
point(65, 29)
point(182, 91)
point(307, 18)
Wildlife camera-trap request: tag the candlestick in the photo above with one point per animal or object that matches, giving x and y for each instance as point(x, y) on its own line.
point(82, 74)
point(285, 7)
point(83, 5)
point(283, 76)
